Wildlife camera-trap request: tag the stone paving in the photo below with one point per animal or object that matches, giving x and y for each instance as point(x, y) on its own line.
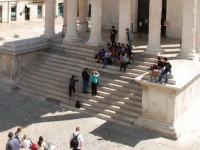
point(56, 123)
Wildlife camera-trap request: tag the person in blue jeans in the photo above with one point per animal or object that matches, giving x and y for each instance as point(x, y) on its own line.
point(86, 78)
point(166, 71)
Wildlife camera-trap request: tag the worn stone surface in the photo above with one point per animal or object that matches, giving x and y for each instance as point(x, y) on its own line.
point(55, 124)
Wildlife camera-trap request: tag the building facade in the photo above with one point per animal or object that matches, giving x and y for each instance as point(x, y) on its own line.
point(24, 10)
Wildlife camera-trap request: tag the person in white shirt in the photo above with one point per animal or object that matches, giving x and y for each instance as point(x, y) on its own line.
point(79, 137)
point(25, 142)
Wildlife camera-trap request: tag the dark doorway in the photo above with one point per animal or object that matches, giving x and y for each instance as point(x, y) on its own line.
point(13, 13)
point(0, 14)
point(60, 9)
point(39, 12)
point(27, 13)
point(143, 15)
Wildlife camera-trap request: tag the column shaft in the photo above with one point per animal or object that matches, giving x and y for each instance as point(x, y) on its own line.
point(198, 29)
point(83, 13)
point(189, 29)
point(155, 11)
point(50, 8)
point(65, 13)
point(96, 15)
point(124, 19)
point(71, 34)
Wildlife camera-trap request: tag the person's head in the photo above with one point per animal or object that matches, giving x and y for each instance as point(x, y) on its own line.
point(127, 29)
point(113, 27)
point(24, 137)
point(73, 76)
point(118, 43)
point(40, 141)
point(10, 135)
point(108, 50)
point(122, 45)
point(19, 129)
point(85, 69)
point(108, 44)
point(77, 129)
point(102, 50)
point(159, 58)
point(165, 59)
point(93, 72)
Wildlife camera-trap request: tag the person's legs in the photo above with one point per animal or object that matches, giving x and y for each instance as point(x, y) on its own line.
point(121, 66)
point(167, 77)
point(86, 86)
point(73, 89)
point(93, 88)
point(70, 91)
point(161, 75)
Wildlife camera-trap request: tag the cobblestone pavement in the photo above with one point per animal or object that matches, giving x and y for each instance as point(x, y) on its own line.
point(56, 123)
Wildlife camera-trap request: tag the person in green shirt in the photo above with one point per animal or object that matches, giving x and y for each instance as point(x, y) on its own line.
point(94, 79)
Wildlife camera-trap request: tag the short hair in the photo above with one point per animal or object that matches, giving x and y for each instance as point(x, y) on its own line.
point(19, 129)
point(77, 128)
point(127, 28)
point(113, 26)
point(158, 58)
point(10, 135)
point(165, 58)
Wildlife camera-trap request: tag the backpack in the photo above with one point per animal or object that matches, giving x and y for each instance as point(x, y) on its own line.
point(33, 146)
point(78, 104)
point(74, 141)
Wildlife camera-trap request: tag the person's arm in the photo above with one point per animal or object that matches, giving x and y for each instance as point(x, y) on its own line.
point(81, 144)
point(97, 74)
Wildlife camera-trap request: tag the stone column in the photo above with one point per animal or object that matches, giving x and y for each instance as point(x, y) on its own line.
point(83, 13)
point(50, 8)
point(71, 34)
point(134, 14)
point(198, 29)
point(96, 15)
point(65, 13)
point(189, 30)
point(124, 19)
point(155, 11)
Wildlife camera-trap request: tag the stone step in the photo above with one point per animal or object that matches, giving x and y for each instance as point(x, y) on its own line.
point(102, 91)
point(38, 71)
point(62, 91)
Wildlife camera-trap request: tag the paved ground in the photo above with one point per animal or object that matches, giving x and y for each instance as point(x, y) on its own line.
point(55, 124)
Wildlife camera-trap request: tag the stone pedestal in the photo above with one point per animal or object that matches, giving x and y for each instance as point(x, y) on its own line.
point(124, 19)
point(50, 8)
point(71, 34)
point(96, 15)
point(83, 13)
point(189, 30)
point(155, 11)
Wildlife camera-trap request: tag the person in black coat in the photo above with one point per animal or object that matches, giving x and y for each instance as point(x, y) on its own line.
point(86, 78)
point(113, 33)
point(72, 82)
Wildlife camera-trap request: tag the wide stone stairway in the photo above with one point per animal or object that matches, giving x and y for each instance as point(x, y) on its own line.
point(119, 97)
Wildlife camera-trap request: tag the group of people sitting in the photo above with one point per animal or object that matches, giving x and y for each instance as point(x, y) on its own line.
point(20, 140)
point(115, 54)
point(160, 69)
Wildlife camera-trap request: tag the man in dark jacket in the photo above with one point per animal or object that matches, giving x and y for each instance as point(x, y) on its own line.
point(113, 33)
point(13, 143)
point(72, 82)
point(86, 78)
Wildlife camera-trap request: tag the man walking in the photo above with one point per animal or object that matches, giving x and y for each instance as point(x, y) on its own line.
point(72, 82)
point(129, 38)
point(86, 78)
point(113, 33)
point(76, 141)
point(13, 143)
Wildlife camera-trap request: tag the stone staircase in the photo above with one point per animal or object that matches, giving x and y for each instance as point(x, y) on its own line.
point(119, 97)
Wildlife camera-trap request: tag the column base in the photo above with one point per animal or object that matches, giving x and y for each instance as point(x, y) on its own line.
point(198, 50)
point(95, 42)
point(71, 38)
point(189, 55)
point(153, 51)
point(48, 36)
point(165, 129)
point(83, 28)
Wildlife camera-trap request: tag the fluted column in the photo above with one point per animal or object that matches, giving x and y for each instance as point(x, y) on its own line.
point(83, 13)
point(124, 19)
point(71, 34)
point(155, 11)
point(189, 30)
point(96, 15)
point(65, 13)
point(198, 29)
point(50, 8)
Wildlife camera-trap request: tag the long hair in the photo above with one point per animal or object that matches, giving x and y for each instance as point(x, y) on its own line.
point(40, 141)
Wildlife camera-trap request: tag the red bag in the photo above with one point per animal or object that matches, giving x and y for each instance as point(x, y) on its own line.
point(33, 146)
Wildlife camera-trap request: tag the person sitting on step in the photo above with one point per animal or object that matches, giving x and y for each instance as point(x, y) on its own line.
point(107, 60)
point(156, 69)
point(100, 56)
